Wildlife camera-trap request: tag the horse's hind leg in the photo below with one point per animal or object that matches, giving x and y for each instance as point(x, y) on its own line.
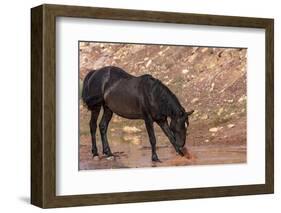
point(93, 127)
point(106, 117)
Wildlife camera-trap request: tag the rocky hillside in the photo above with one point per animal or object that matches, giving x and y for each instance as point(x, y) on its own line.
point(212, 81)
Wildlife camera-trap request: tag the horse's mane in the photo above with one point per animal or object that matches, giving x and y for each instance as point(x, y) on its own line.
point(168, 102)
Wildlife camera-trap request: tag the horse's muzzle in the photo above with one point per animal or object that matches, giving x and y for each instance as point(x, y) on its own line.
point(180, 151)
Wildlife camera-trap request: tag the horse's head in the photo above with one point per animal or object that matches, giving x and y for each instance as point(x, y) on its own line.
point(179, 128)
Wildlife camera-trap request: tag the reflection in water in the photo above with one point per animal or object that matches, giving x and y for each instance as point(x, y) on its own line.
point(134, 151)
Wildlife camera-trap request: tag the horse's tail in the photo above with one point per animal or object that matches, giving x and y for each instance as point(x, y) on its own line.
point(85, 90)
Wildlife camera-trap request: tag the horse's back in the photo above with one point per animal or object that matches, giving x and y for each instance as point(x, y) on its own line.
point(129, 96)
point(96, 81)
point(123, 95)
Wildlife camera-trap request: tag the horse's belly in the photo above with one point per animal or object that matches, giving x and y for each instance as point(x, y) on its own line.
point(125, 105)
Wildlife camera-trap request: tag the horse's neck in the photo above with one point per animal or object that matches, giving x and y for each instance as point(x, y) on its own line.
point(175, 110)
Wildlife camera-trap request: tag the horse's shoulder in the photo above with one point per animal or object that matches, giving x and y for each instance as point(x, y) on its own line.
point(148, 78)
point(147, 81)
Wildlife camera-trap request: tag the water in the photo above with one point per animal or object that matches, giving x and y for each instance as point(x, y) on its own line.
point(134, 151)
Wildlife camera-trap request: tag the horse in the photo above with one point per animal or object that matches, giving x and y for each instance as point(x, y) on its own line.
point(143, 97)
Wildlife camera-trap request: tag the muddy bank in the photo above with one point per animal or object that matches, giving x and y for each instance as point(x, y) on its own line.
point(132, 150)
point(141, 157)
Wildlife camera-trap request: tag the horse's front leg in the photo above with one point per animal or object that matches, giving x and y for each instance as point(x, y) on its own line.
point(106, 117)
point(166, 129)
point(152, 139)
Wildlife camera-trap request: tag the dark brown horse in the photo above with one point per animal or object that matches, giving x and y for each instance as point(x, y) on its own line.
point(131, 97)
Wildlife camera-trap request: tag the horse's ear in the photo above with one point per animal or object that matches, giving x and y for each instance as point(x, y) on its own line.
point(189, 112)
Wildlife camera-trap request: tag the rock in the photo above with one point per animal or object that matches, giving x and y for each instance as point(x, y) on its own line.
point(204, 49)
point(136, 140)
point(211, 65)
point(194, 100)
point(220, 111)
point(242, 98)
point(185, 71)
point(226, 117)
point(230, 125)
point(207, 141)
point(132, 138)
point(204, 117)
point(116, 119)
point(148, 63)
point(214, 129)
point(168, 82)
point(132, 129)
point(212, 87)
point(192, 57)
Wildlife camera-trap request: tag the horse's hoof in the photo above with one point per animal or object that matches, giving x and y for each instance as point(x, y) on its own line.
point(107, 153)
point(110, 157)
point(96, 157)
point(156, 159)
